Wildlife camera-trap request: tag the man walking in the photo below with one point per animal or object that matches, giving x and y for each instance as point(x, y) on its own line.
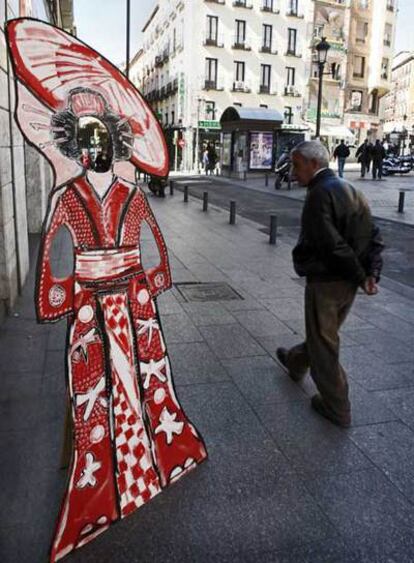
point(378, 155)
point(341, 152)
point(364, 155)
point(339, 250)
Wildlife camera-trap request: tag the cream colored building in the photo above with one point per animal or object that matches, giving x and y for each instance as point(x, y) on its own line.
point(398, 105)
point(361, 34)
point(201, 56)
point(370, 53)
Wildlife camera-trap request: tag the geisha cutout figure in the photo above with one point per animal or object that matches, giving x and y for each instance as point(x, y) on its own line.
point(131, 437)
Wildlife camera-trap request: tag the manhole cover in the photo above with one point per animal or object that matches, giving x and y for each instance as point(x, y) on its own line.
point(207, 291)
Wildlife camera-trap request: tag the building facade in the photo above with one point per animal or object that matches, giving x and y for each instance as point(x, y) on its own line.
point(398, 104)
point(201, 56)
point(361, 34)
point(25, 177)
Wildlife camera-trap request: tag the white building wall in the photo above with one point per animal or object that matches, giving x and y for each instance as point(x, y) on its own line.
point(189, 19)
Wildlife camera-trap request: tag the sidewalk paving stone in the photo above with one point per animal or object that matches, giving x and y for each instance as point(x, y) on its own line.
point(262, 381)
point(260, 323)
point(367, 508)
point(231, 341)
point(194, 363)
point(313, 445)
point(391, 448)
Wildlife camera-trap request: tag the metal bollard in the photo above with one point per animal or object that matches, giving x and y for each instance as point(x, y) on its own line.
point(232, 213)
point(266, 180)
point(171, 187)
point(185, 194)
point(244, 175)
point(289, 186)
point(205, 201)
point(273, 229)
point(401, 201)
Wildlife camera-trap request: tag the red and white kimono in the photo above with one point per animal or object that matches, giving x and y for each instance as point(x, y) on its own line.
point(131, 437)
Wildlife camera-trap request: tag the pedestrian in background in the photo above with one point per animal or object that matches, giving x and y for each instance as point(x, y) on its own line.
point(339, 250)
point(378, 155)
point(205, 161)
point(341, 153)
point(364, 156)
point(212, 158)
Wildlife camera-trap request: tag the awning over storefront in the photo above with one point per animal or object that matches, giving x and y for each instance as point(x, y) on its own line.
point(245, 118)
point(336, 131)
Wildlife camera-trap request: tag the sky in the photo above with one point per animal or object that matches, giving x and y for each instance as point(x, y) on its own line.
point(405, 37)
point(101, 24)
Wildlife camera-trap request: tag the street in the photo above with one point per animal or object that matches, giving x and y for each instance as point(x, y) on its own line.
point(257, 202)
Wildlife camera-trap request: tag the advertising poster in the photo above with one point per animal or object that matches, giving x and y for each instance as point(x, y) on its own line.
point(261, 149)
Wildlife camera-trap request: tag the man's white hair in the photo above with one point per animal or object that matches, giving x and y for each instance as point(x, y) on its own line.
point(313, 150)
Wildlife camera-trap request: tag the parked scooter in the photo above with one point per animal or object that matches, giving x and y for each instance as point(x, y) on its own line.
point(397, 165)
point(157, 186)
point(282, 170)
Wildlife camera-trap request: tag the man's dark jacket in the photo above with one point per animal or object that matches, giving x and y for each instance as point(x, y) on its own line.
point(338, 240)
point(341, 151)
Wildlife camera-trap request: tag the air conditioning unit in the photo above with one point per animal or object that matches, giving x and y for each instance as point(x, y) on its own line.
point(239, 85)
point(290, 90)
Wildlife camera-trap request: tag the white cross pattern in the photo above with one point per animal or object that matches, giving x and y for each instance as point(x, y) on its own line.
point(153, 368)
point(81, 345)
point(148, 325)
point(90, 397)
point(169, 425)
point(87, 475)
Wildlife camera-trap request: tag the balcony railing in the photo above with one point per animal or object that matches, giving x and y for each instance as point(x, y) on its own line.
point(269, 9)
point(210, 41)
point(291, 91)
point(292, 53)
point(264, 89)
point(241, 86)
point(240, 43)
point(268, 49)
point(294, 14)
point(211, 85)
point(242, 4)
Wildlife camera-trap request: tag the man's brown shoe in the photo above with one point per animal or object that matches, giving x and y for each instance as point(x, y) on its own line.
point(281, 355)
point(321, 408)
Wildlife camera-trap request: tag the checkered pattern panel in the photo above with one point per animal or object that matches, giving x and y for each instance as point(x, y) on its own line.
point(115, 316)
point(136, 477)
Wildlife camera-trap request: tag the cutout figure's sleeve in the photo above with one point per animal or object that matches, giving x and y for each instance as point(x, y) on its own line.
point(158, 277)
point(54, 296)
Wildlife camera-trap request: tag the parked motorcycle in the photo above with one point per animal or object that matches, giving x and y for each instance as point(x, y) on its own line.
point(397, 165)
point(157, 186)
point(282, 170)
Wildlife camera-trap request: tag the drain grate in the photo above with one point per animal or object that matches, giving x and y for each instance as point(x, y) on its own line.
point(204, 292)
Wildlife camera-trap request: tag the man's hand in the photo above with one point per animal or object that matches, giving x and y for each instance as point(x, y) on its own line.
point(370, 286)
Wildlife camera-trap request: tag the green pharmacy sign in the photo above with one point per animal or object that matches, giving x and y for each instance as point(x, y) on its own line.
point(209, 124)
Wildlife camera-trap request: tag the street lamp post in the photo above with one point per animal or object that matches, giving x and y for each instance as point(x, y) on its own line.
point(322, 49)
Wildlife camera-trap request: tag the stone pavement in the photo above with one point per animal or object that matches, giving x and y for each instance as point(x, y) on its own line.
point(281, 484)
